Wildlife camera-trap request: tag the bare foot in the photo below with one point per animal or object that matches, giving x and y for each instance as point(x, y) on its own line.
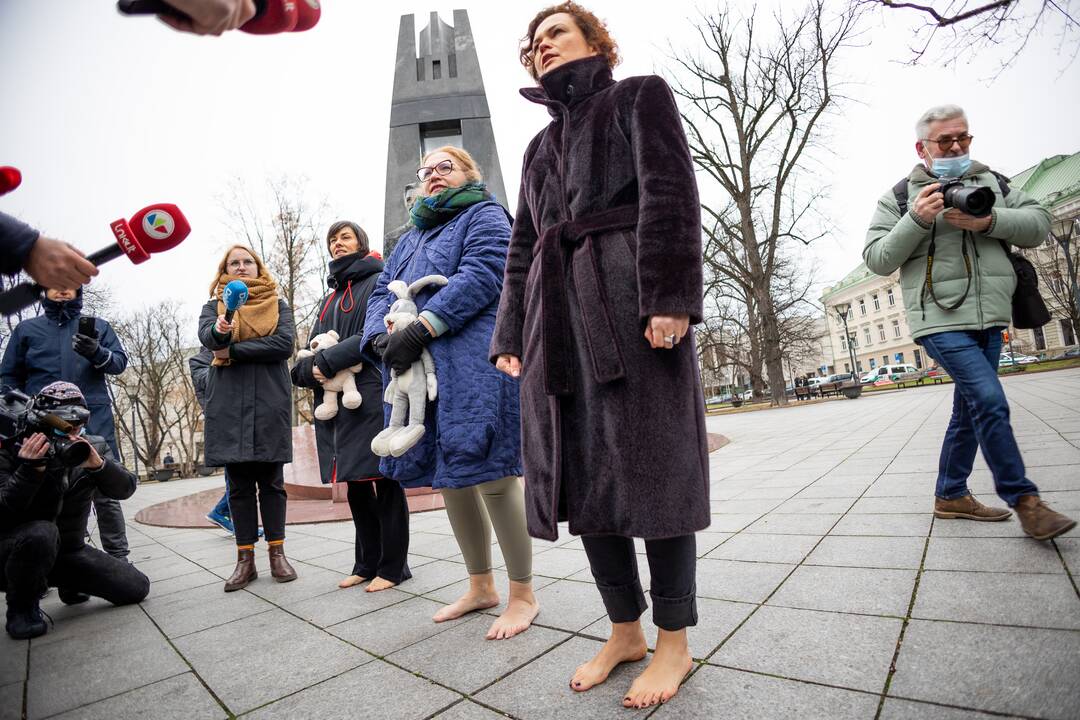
point(626, 644)
point(472, 600)
point(517, 618)
point(351, 581)
point(659, 682)
point(379, 584)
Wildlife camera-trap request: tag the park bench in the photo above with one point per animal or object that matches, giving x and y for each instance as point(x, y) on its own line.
point(804, 393)
point(827, 389)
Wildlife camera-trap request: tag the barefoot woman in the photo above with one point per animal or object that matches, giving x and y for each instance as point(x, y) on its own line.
point(603, 279)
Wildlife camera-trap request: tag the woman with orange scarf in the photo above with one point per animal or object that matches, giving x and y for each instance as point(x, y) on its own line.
point(248, 400)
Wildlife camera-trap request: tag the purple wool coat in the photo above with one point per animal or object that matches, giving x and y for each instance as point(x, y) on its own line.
point(607, 234)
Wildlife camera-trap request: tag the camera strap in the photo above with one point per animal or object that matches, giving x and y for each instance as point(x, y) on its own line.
point(928, 284)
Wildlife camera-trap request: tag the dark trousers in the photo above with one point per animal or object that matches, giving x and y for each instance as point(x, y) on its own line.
point(243, 479)
point(381, 516)
point(672, 564)
point(27, 554)
point(93, 572)
point(980, 416)
point(112, 531)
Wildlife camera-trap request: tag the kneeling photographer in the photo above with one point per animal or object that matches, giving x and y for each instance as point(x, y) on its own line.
point(947, 227)
point(49, 472)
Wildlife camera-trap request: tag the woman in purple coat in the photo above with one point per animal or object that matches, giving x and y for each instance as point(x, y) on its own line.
point(603, 280)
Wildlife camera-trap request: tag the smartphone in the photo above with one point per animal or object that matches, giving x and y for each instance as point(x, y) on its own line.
point(86, 326)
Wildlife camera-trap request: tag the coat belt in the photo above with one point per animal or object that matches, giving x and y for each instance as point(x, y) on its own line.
point(578, 236)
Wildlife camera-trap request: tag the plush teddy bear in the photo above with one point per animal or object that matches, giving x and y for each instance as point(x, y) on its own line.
point(409, 392)
point(344, 381)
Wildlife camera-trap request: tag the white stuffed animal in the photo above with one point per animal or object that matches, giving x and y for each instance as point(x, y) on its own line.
point(344, 381)
point(408, 392)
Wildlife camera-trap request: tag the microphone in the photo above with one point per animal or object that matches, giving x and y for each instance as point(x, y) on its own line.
point(234, 295)
point(271, 16)
point(10, 178)
point(154, 229)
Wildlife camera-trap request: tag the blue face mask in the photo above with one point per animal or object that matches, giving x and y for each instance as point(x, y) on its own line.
point(951, 167)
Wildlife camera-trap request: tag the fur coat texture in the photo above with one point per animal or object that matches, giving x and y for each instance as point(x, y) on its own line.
point(607, 234)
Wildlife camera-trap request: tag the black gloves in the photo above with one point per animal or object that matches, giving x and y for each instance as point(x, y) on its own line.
point(403, 347)
point(85, 345)
point(379, 343)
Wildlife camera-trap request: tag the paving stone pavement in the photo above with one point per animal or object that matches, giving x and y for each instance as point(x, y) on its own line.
point(827, 590)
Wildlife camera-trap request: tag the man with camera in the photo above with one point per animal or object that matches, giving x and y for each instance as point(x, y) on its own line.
point(64, 344)
point(49, 472)
point(947, 226)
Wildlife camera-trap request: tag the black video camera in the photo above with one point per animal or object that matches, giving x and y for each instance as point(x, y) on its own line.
point(975, 201)
point(20, 419)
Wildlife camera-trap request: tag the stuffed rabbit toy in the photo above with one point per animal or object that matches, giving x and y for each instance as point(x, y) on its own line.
point(344, 381)
point(409, 392)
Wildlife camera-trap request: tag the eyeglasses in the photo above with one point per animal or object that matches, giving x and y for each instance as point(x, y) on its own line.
point(944, 143)
point(443, 168)
point(241, 263)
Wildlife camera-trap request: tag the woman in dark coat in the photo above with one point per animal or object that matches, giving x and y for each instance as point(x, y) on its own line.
point(378, 506)
point(248, 426)
point(603, 278)
point(471, 446)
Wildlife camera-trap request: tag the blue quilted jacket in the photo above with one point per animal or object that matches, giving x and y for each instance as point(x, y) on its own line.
point(473, 427)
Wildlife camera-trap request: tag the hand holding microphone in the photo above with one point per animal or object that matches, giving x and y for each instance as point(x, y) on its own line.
point(213, 17)
point(233, 296)
point(154, 229)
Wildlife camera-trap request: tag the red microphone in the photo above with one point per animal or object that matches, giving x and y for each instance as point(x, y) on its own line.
point(10, 178)
point(271, 16)
point(154, 229)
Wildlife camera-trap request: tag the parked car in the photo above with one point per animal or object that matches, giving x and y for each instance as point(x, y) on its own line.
point(1069, 353)
point(815, 381)
point(838, 377)
point(891, 372)
point(1007, 359)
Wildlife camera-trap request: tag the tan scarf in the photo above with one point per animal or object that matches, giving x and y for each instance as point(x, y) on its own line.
point(256, 318)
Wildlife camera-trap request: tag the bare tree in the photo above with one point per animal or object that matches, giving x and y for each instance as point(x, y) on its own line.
point(752, 108)
point(1057, 262)
point(960, 29)
point(284, 226)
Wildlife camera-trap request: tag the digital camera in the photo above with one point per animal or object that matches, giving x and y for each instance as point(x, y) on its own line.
point(20, 419)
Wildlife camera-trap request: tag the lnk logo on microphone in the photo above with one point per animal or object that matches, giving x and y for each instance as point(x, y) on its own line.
point(158, 224)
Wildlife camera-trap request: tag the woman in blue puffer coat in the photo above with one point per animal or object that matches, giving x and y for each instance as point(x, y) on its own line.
point(471, 449)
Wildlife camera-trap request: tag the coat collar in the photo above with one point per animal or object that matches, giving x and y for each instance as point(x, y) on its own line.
point(62, 312)
point(352, 268)
point(571, 83)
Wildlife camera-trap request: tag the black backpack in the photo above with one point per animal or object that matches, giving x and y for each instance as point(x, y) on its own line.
point(1028, 309)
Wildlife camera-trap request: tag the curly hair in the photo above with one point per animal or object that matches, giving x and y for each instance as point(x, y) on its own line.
point(593, 28)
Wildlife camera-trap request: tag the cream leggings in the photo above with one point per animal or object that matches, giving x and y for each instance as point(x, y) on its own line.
point(474, 510)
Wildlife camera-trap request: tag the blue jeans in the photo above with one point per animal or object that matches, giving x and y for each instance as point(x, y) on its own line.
point(222, 507)
point(980, 416)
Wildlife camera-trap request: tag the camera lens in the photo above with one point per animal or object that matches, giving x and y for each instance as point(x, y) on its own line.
point(975, 201)
point(70, 452)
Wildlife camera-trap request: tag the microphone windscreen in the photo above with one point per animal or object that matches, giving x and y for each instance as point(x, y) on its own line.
point(276, 16)
point(234, 295)
point(160, 227)
point(10, 178)
point(307, 14)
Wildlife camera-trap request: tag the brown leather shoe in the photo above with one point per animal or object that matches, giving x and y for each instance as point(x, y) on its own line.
point(1039, 521)
point(245, 570)
point(968, 508)
point(280, 568)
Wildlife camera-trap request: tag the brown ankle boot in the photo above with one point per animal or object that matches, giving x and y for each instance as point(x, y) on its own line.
point(245, 570)
point(968, 508)
point(280, 568)
point(1039, 521)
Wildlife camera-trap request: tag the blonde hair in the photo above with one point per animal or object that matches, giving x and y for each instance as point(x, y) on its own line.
point(217, 285)
point(462, 159)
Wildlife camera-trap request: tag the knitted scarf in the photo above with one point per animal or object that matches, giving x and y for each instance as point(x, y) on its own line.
point(256, 318)
point(441, 208)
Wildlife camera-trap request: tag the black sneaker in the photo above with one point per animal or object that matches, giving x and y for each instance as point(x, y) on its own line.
point(26, 622)
point(72, 597)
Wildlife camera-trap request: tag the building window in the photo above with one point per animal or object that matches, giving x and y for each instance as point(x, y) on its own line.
point(1040, 338)
point(847, 368)
point(881, 332)
point(1068, 336)
point(873, 363)
point(918, 358)
point(866, 336)
point(862, 307)
point(877, 303)
point(854, 340)
point(436, 134)
point(884, 359)
point(436, 70)
point(843, 343)
point(892, 298)
point(900, 358)
point(896, 328)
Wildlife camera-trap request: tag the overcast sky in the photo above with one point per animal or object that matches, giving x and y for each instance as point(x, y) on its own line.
point(105, 114)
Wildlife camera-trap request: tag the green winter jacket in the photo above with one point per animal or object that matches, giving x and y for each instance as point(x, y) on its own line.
point(900, 242)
